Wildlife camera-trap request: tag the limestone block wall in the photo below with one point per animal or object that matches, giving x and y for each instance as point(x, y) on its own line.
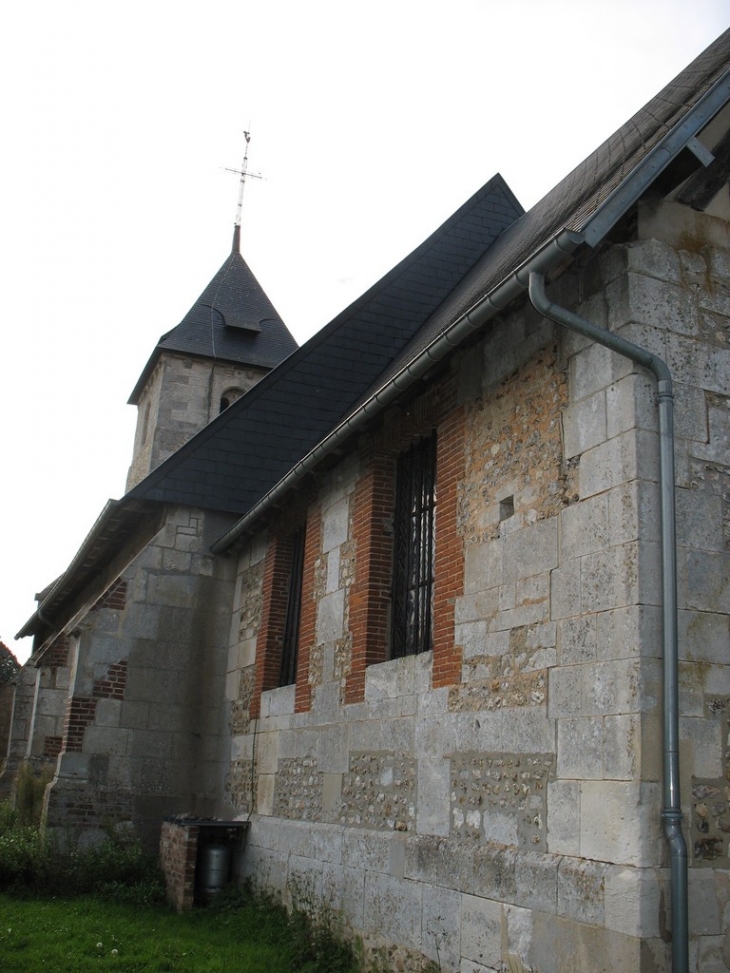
point(182, 395)
point(49, 706)
point(143, 721)
point(21, 725)
point(509, 805)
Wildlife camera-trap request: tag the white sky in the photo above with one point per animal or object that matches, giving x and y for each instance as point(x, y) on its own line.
point(371, 122)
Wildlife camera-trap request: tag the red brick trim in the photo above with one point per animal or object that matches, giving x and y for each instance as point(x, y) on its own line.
point(277, 567)
point(370, 591)
point(52, 746)
point(308, 619)
point(57, 654)
point(81, 710)
point(178, 857)
point(114, 597)
point(449, 566)
point(270, 638)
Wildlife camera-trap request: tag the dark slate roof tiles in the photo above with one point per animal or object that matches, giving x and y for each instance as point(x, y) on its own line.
point(212, 328)
point(262, 435)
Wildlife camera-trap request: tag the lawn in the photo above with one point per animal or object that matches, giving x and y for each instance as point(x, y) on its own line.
point(83, 934)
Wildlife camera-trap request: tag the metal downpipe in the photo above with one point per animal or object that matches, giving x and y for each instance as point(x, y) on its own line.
point(672, 811)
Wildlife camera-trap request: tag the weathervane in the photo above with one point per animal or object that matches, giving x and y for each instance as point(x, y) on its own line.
point(244, 175)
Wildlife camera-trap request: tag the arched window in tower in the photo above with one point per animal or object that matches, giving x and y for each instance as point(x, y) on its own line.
point(229, 397)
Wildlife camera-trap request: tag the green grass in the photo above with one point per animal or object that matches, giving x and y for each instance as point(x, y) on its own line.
point(80, 935)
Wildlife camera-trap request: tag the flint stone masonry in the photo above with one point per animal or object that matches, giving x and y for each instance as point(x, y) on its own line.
point(514, 812)
point(379, 791)
point(501, 797)
point(298, 790)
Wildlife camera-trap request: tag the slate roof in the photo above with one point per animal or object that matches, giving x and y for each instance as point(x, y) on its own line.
point(233, 320)
point(249, 447)
point(236, 459)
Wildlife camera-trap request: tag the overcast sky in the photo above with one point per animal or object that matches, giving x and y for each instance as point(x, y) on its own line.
point(371, 123)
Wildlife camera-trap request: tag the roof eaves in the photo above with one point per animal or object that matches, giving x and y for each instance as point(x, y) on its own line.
point(594, 227)
point(118, 520)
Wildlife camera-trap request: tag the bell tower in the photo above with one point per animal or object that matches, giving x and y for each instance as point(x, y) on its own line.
point(229, 339)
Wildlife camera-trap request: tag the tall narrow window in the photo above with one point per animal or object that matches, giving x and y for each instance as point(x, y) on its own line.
point(290, 642)
point(413, 550)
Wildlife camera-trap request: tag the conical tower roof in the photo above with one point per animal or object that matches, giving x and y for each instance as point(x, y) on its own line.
point(232, 320)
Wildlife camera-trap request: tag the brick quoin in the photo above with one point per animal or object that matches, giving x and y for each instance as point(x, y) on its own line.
point(57, 654)
point(449, 565)
point(81, 710)
point(114, 598)
point(370, 591)
point(308, 616)
point(52, 746)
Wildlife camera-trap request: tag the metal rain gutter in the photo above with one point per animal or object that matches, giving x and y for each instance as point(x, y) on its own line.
point(672, 812)
point(556, 250)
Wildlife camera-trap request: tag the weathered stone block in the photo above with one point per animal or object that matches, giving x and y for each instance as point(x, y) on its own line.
point(432, 815)
point(107, 740)
point(333, 749)
point(577, 640)
point(441, 926)
point(703, 580)
point(619, 822)
point(705, 911)
point(700, 520)
point(581, 890)
point(531, 551)
point(653, 258)
point(594, 368)
point(564, 697)
point(481, 931)
point(621, 747)
point(563, 817)
point(108, 712)
point(335, 520)
point(614, 578)
point(652, 302)
point(612, 687)
point(393, 907)
point(343, 890)
point(483, 567)
point(537, 881)
point(632, 900)
point(580, 748)
point(330, 617)
point(707, 738)
point(565, 589)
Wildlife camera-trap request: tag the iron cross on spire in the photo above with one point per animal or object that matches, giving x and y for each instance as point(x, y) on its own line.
point(244, 175)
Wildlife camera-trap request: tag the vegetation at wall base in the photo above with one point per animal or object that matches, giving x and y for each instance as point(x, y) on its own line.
point(34, 864)
point(104, 908)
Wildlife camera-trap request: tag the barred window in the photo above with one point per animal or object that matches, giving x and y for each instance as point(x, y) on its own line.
point(290, 642)
point(413, 549)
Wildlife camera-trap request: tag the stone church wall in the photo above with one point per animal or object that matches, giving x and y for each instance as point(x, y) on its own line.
point(182, 395)
point(508, 804)
point(143, 732)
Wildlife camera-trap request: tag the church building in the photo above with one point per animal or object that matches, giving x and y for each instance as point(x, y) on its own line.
point(437, 605)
